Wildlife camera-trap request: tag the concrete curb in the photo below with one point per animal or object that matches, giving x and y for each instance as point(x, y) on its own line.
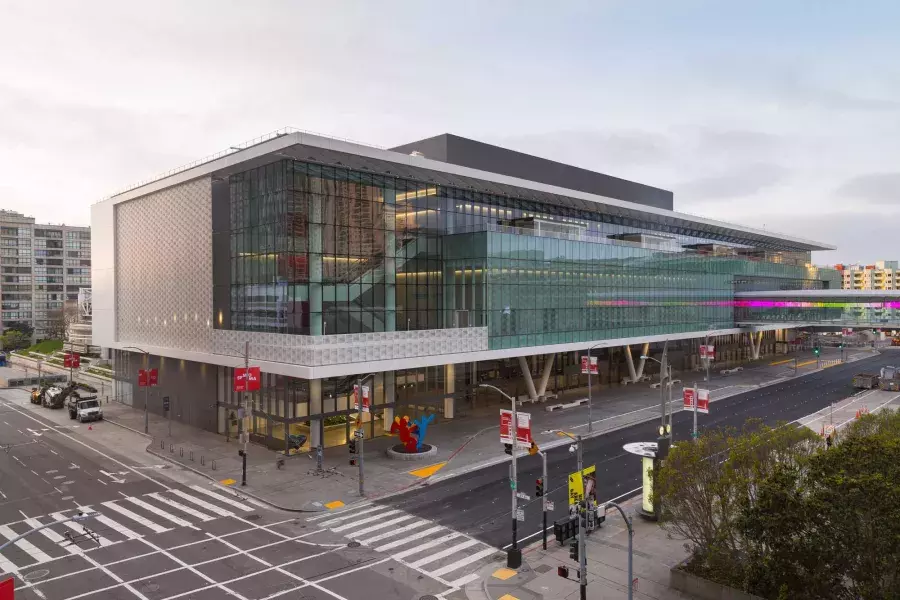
point(131, 429)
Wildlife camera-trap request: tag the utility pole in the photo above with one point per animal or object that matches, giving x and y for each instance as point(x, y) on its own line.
point(628, 523)
point(147, 393)
point(544, 495)
point(245, 435)
point(590, 396)
point(582, 559)
point(515, 555)
point(696, 402)
point(663, 367)
point(359, 438)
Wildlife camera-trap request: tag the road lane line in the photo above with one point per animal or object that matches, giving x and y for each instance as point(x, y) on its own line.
point(135, 517)
point(427, 545)
point(129, 534)
point(158, 511)
point(222, 498)
point(463, 562)
point(54, 537)
point(93, 536)
point(418, 535)
point(33, 551)
point(393, 532)
point(446, 552)
point(203, 503)
point(353, 524)
point(185, 509)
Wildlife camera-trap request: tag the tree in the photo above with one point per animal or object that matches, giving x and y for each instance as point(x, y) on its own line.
point(22, 326)
point(13, 339)
point(55, 326)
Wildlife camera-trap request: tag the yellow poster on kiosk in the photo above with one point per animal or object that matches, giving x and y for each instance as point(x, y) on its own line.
point(576, 492)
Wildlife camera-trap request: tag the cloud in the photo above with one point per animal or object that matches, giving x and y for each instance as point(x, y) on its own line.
point(861, 237)
point(592, 149)
point(738, 183)
point(878, 188)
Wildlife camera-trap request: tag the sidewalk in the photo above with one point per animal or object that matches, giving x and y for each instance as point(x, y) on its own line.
point(654, 553)
point(298, 487)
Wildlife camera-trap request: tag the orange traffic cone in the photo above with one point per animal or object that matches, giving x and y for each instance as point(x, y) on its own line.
point(90, 427)
point(823, 431)
point(857, 414)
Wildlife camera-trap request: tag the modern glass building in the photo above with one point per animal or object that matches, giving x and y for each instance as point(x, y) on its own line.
point(330, 260)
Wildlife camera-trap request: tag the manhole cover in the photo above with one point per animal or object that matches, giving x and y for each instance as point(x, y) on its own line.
point(498, 557)
point(35, 575)
point(252, 517)
point(429, 597)
point(150, 587)
point(543, 568)
point(354, 545)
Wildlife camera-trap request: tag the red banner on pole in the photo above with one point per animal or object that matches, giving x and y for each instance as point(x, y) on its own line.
point(72, 360)
point(246, 380)
point(703, 401)
point(142, 378)
point(153, 377)
point(688, 394)
point(523, 433)
point(365, 396)
point(584, 365)
point(8, 589)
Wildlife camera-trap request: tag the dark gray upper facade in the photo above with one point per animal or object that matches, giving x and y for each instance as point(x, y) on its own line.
point(464, 152)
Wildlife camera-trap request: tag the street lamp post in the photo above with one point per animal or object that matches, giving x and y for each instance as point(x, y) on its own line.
point(628, 523)
point(361, 436)
point(665, 381)
point(514, 556)
point(146, 387)
point(590, 397)
point(582, 558)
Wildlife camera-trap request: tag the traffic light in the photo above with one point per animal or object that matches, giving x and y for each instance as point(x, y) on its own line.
point(507, 448)
point(533, 449)
point(562, 571)
point(351, 445)
point(539, 488)
point(582, 516)
point(816, 350)
point(573, 551)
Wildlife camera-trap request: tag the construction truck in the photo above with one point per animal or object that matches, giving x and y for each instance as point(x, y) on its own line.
point(55, 396)
point(84, 409)
point(890, 379)
point(865, 381)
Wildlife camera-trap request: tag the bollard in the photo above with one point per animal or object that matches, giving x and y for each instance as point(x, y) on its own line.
point(213, 465)
point(162, 444)
point(181, 451)
point(192, 456)
point(202, 460)
point(172, 448)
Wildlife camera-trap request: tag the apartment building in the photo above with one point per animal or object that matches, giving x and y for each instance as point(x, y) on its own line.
point(883, 275)
point(41, 268)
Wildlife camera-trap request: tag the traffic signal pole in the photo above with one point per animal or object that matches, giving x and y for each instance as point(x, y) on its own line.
point(514, 558)
point(544, 495)
point(582, 559)
point(359, 440)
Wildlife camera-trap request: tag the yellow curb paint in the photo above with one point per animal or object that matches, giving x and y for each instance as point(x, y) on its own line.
point(228, 482)
point(507, 597)
point(565, 434)
point(427, 471)
point(780, 362)
point(334, 505)
point(504, 574)
point(809, 362)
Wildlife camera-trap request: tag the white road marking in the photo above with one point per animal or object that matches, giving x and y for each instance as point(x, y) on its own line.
point(464, 580)
point(185, 509)
point(199, 574)
point(4, 495)
point(353, 524)
point(463, 562)
point(158, 511)
point(135, 517)
point(436, 542)
point(81, 530)
point(393, 532)
point(33, 551)
point(54, 537)
point(445, 553)
point(203, 503)
point(103, 482)
point(111, 524)
point(381, 525)
point(396, 543)
point(221, 498)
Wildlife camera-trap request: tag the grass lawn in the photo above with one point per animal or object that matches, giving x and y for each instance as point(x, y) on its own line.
point(46, 347)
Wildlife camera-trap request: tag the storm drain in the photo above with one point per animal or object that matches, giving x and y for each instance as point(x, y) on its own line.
point(252, 517)
point(354, 545)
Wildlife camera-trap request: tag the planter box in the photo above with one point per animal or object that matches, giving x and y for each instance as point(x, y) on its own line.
point(697, 587)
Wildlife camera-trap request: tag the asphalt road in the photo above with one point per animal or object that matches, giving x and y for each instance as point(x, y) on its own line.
point(174, 536)
point(478, 503)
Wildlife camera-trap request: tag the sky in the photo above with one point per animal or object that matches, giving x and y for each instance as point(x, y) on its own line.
point(778, 115)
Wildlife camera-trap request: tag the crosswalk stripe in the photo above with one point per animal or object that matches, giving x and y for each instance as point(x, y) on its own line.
point(352, 514)
point(353, 524)
point(464, 580)
point(81, 530)
point(381, 525)
point(395, 543)
point(463, 562)
point(355, 509)
point(427, 545)
point(135, 517)
point(53, 536)
point(221, 498)
point(203, 504)
point(33, 551)
point(445, 553)
point(393, 532)
point(129, 534)
point(7, 567)
point(158, 511)
point(185, 509)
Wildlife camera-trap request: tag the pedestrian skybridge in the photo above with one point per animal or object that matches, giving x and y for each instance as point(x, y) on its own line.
point(838, 308)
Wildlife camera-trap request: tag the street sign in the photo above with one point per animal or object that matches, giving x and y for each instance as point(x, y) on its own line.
point(512, 483)
point(523, 432)
point(359, 434)
point(523, 496)
point(584, 365)
point(365, 397)
point(520, 515)
point(246, 380)
point(166, 403)
point(548, 505)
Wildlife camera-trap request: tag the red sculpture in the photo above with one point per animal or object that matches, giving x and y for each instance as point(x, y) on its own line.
point(402, 428)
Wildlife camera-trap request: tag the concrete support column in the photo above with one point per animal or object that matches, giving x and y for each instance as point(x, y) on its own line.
point(390, 260)
point(545, 375)
point(390, 396)
point(221, 412)
point(629, 360)
point(449, 388)
point(315, 408)
point(755, 343)
point(526, 373)
point(316, 217)
point(645, 351)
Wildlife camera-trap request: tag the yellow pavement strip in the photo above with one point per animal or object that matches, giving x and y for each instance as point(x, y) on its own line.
point(808, 362)
point(428, 471)
point(504, 574)
point(334, 505)
point(228, 482)
point(507, 597)
point(565, 434)
point(780, 362)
